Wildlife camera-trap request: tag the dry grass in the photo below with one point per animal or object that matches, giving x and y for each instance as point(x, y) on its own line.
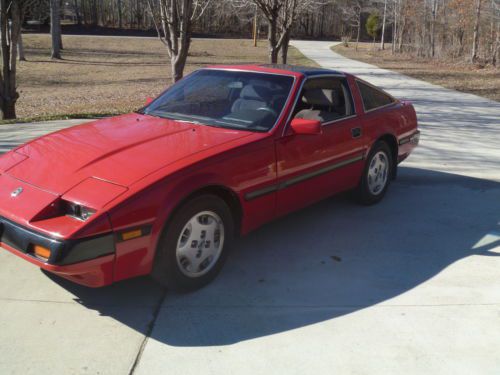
point(482, 81)
point(108, 75)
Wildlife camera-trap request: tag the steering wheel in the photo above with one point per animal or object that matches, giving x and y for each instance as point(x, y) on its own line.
point(267, 109)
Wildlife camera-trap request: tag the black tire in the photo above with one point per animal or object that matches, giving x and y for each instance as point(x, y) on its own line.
point(166, 269)
point(363, 194)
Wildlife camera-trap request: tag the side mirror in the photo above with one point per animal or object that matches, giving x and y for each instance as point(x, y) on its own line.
point(149, 100)
point(304, 126)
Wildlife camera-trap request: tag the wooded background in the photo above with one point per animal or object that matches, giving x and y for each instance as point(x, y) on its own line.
point(465, 30)
point(438, 28)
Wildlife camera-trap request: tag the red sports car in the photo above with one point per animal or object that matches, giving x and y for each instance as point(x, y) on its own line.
point(165, 190)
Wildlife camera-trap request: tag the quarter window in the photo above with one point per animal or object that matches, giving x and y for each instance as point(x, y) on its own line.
point(326, 99)
point(373, 98)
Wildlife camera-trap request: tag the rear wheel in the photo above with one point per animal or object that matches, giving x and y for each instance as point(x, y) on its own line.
point(376, 175)
point(195, 243)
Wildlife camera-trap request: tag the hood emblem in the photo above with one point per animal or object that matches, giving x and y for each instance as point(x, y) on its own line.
point(16, 192)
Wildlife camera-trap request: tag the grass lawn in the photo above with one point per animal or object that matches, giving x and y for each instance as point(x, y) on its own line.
point(454, 75)
point(111, 75)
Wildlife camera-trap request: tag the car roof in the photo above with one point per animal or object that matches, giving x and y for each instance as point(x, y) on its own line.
point(294, 70)
point(305, 70)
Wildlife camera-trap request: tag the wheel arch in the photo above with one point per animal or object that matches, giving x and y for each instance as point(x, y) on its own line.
point(221, 191)
point(392, 142)
point(159, 266)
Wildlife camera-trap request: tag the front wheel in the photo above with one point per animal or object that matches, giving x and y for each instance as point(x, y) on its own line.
point(195, 243)
point(376, 175)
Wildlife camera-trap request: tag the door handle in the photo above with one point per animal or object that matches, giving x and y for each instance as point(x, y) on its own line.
point(356, 132)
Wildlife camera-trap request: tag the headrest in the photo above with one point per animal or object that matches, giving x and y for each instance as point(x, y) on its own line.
point(255, 93)
point(322, 97)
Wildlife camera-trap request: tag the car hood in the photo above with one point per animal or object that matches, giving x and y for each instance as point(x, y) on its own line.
point(121, 150)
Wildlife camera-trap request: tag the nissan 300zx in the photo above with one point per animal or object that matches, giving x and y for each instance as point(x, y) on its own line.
point(164, 190)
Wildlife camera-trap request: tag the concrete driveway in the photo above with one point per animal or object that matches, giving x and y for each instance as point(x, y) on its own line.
point(13, 135)
point(410, 286)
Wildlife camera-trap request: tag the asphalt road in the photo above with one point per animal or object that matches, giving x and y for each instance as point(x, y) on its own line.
point(411, 285)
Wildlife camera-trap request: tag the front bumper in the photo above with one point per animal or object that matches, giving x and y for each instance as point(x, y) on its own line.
point(87, 261)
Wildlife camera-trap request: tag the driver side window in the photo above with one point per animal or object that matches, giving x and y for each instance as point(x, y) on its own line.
point(326, 99)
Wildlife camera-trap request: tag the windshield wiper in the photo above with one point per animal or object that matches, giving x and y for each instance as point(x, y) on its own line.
point(189, 121)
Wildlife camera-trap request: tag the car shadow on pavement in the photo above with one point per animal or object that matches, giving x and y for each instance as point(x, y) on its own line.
point(331, 259)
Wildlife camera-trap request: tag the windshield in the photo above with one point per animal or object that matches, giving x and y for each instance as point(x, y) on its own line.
point(233, 99)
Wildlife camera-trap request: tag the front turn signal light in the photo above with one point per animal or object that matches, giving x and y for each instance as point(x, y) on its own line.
point(134, 233)
point(131, 234)
point(41, 251)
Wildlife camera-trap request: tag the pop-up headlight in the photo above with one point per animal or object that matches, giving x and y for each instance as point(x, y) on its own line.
point(78, 211)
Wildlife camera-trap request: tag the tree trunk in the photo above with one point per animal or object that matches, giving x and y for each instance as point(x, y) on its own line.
point(83, 12)
point(273, 41)
point(445, 32)
point(461, 42)
point(172, 21)
point(120, 21)
point(77, 13)
point(394, 27)
point(284, 48)
point(8, 42)
point(433, 28)
point(359, 31)
point(8, 109)
point(55, 29)
point(20, 48)
point(321, 24)
point(382, 40)
point(131, 14)
point(475, 39)
point(138, 13)
point(95, 12)
point(177, 69)
point(180, 60)
point(496, 46)
point(273, 55)
point(422, 50)
point(401, 31)
point(254, 30)
point(61, 4)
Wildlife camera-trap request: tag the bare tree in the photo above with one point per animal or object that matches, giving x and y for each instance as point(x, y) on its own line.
point(433, 27)
point(271, 10)
point(428, 28)
point(173, 21)
point(77, 12)
point(475, 38)
point(352, 11)
point(496, 49)
point(395, 26)
point(120, 21)
point(11, 18)
point(281, 16)
point(55, 28)
point(495, 31)
point(289, 12)
point(382, 39)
